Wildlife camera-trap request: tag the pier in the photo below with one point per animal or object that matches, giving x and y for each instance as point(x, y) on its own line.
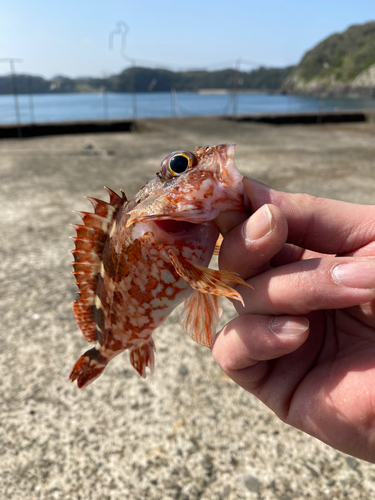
point(13, 130)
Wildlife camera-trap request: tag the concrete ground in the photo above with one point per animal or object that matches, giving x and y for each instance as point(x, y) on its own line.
point(187, 432)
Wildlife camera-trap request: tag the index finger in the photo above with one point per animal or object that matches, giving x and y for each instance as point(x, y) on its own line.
point(319, 224)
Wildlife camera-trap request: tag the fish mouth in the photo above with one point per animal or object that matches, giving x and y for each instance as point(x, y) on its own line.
point(174, 226)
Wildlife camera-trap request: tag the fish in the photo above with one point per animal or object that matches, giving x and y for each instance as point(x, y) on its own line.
point(136, 260)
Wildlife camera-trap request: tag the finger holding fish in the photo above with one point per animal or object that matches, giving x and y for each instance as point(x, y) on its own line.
point(248, 248)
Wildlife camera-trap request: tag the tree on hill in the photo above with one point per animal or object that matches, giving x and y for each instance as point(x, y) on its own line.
point(342, 56)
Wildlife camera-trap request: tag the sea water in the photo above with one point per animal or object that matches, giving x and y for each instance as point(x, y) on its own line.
point(99, 106)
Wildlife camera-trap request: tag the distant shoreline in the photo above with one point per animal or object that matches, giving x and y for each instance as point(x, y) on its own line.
point(142, 79)
point(238, 91)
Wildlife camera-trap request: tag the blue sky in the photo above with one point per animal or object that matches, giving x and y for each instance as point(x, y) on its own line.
point(70, 37)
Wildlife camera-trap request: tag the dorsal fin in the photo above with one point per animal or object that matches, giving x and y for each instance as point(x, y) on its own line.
point(88, 253)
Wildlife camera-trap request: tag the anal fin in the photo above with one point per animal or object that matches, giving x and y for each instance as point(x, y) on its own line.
point(206, 280)
point(142, 355)
point(200, 316)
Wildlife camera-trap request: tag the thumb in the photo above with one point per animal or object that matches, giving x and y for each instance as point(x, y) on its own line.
point(226, 221)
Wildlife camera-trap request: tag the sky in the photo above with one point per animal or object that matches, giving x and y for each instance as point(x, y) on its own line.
point(71, 37)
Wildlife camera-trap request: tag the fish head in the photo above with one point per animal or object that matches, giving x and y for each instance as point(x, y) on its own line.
point(192, 187)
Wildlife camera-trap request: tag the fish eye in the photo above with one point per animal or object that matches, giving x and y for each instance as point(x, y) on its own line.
point(177, 163)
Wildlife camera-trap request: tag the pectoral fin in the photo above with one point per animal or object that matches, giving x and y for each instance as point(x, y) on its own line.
point(206, 280)
point(200, 316)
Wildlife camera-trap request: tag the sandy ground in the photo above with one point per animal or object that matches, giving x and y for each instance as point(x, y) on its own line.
point(187, 432)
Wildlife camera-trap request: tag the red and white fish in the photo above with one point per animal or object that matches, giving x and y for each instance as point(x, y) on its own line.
point(136, 260)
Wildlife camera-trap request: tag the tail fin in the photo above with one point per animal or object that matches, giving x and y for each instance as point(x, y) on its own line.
point(89, 366)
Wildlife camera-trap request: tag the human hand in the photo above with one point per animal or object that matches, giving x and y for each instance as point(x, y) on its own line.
point(304, 343)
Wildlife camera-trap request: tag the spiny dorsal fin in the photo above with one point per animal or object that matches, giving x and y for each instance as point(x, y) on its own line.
point(88, 253)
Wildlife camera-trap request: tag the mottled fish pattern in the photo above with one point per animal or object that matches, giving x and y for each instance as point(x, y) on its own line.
point(136, 260)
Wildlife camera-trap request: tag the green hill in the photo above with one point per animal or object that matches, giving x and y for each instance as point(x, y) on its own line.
point(343, 63)
point(153, 80)
point(162, 80)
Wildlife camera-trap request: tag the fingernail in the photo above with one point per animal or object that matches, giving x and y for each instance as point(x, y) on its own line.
point(288, 326)
point(259, 224)
point(360, 274)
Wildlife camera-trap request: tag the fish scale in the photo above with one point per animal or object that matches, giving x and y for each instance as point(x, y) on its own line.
point(135, 261)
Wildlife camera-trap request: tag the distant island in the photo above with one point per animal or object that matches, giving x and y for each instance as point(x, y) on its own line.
point(341, 65)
